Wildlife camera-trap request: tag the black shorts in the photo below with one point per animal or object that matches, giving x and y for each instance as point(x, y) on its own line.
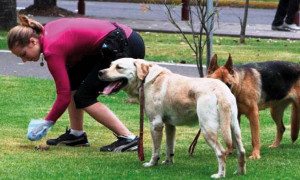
point(84, 75)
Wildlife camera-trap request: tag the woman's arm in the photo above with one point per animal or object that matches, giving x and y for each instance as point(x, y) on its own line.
point(57, 68)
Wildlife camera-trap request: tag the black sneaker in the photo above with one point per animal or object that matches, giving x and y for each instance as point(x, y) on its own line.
point(121, 145)
point(69, 140)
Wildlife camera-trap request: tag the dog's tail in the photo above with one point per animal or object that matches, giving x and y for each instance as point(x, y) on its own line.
point(229, 118)
point(295, 122)
point(225, 121)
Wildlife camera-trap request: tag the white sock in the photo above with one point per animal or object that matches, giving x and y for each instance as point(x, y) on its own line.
point(76, 132)
point(130, 137)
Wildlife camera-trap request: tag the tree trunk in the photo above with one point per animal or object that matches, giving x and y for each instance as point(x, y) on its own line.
point(46, 8)
point(244, 23)
point(185, 10)
point(44, 3)
point(8, 14)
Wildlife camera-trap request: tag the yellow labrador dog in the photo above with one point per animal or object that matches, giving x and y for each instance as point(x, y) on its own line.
point(173, 100)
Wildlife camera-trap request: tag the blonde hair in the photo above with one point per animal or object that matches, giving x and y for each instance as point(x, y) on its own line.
point(20, 34)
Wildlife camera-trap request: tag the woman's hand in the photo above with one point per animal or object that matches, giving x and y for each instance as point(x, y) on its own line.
point(38, 128)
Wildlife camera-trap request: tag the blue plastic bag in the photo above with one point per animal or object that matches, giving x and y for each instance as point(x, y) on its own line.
point(38, 128)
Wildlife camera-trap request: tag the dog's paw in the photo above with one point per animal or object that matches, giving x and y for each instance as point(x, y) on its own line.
point(219, 175)
point(148, 164)
point(240, 171)
point(254, 156)
point(166, 162)
point(274, 145)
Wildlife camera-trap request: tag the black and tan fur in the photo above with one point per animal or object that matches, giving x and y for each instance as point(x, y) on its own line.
point(256, 86)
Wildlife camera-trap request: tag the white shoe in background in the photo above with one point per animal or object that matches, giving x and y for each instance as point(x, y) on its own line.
point(291, 27)
point(286, 27)
point(280, 28)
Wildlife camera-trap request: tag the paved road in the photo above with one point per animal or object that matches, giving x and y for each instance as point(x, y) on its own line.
point(120, 10)
point(13, 66)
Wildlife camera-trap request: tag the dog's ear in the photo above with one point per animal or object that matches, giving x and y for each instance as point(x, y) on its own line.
point(142, 69)
point(228, 65)
point(213, 66)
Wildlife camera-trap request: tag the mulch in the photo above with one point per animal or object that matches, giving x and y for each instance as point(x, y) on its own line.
point(49, 11)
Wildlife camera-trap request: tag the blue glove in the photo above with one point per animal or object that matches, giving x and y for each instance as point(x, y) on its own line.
point(38, 128)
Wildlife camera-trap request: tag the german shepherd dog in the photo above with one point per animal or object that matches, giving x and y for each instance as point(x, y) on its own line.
point(256, 86)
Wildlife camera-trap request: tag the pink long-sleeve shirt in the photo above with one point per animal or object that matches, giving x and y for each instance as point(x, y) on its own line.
point(64, 43)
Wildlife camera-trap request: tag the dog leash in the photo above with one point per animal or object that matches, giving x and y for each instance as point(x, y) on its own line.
point(194, 143)
point(140, 141)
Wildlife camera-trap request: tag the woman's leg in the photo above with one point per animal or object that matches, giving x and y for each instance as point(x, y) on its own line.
point(85, 99)
point(76, 136)
point(75, 115)
point(106, 117)
point(100, 113)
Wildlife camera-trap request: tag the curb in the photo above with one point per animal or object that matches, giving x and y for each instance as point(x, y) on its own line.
point(255, 4)
point(189, 70)
point(229, 3)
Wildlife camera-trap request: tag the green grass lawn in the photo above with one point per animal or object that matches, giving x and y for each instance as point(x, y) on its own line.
point(26, 98)
point(173, 48)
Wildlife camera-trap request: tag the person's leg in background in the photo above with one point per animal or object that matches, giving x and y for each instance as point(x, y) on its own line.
point(285, 16)
point(293, 8)
point(280, 15)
